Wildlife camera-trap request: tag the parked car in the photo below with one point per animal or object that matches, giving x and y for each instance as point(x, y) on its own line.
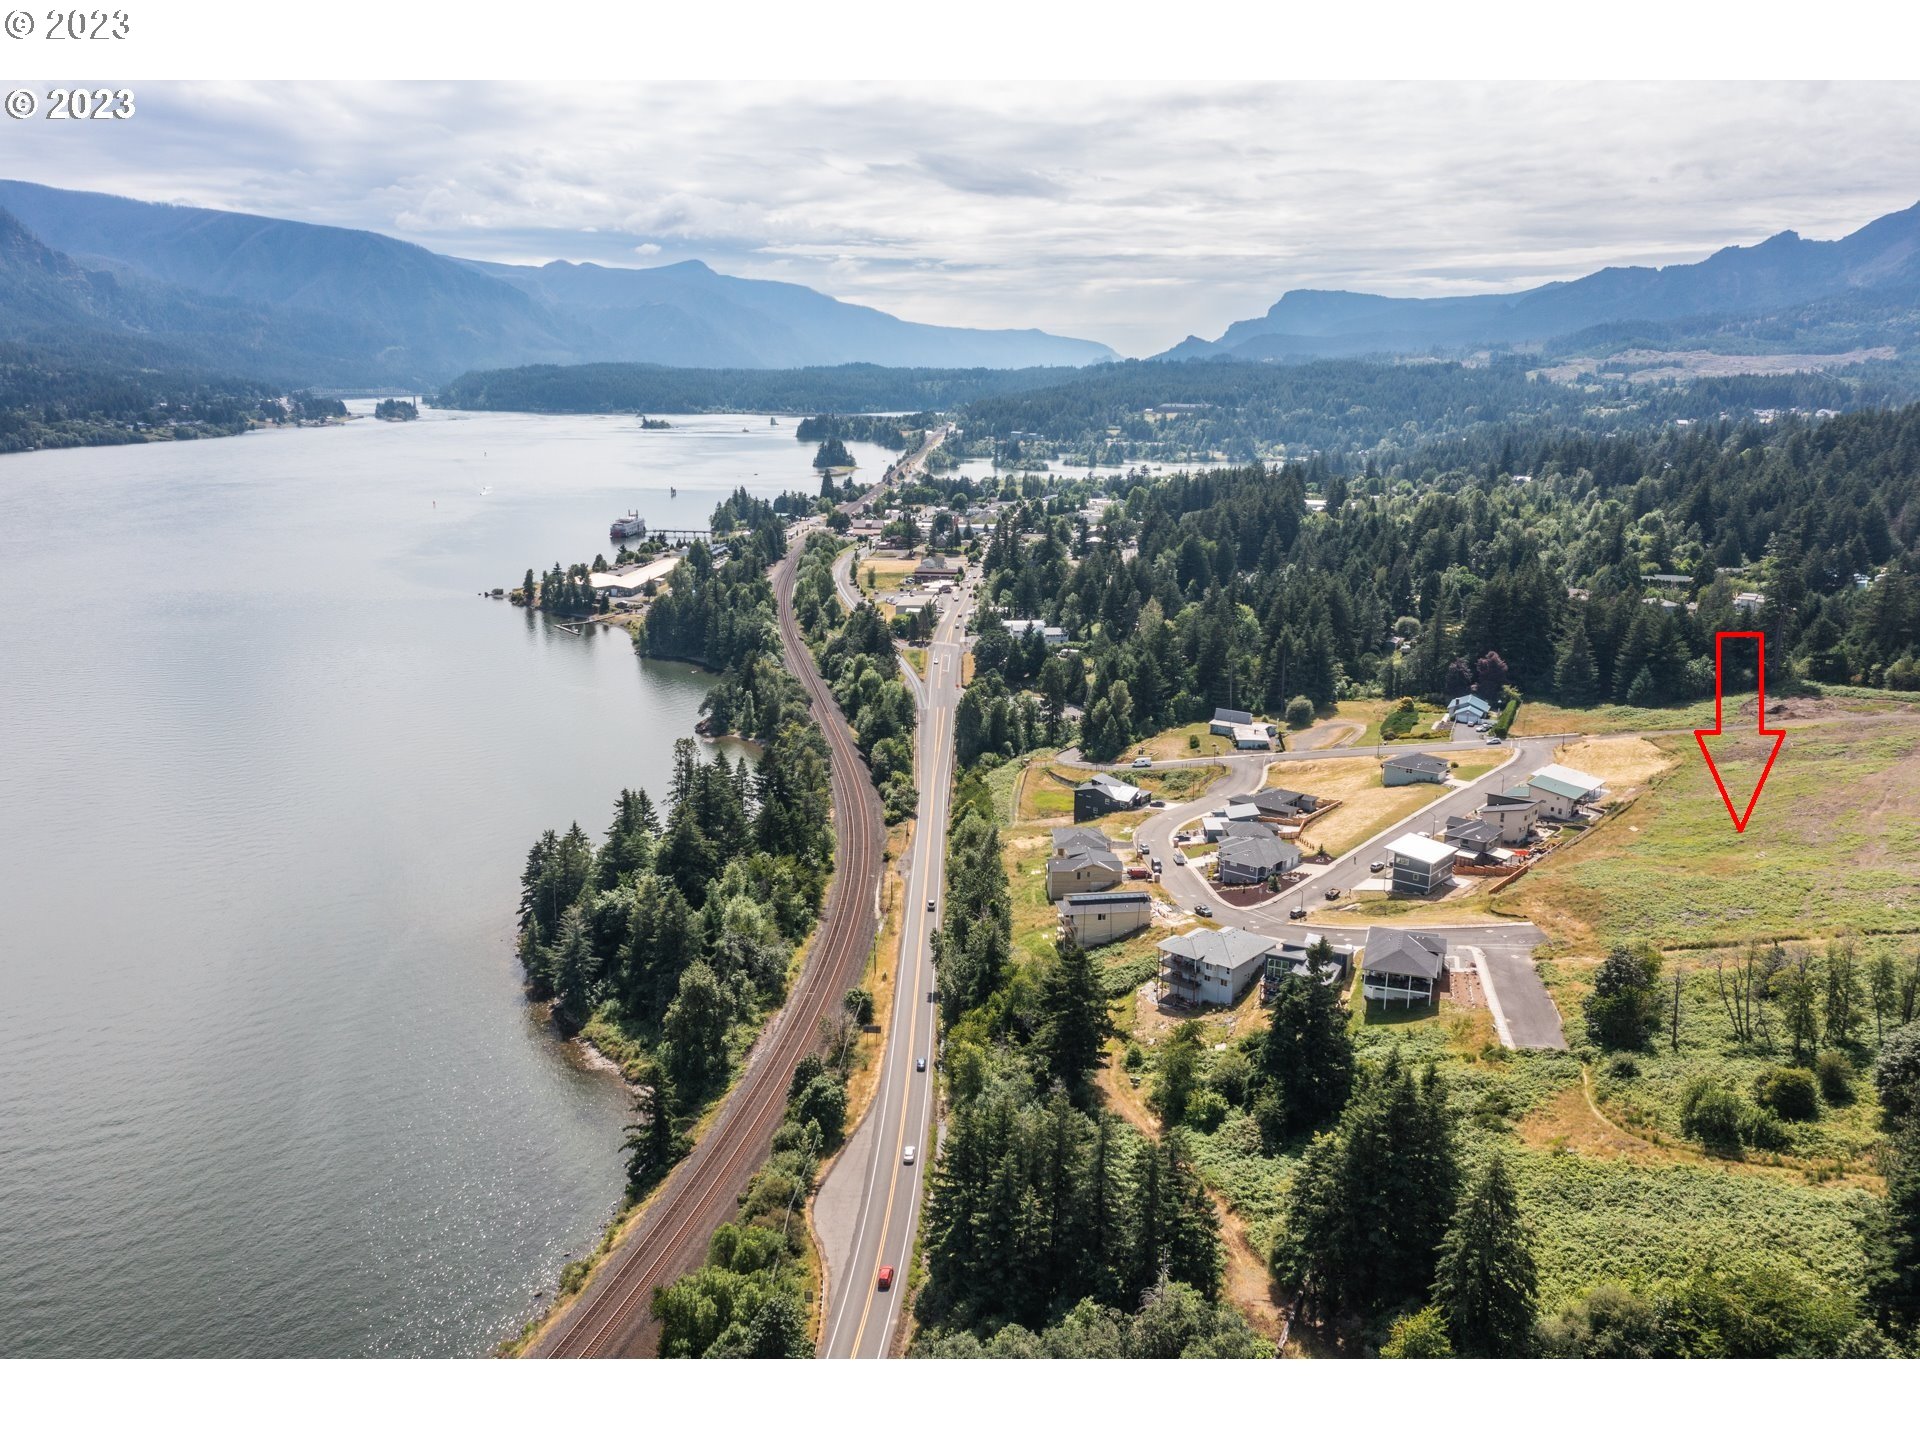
point(906, 1155)
point(886, 1277)
point(1333, 892)
point(1377, 866)
point(1156, 804)
point(1205, 912)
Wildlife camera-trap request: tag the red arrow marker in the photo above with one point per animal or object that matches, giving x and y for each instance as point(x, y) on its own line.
point(1740, 817)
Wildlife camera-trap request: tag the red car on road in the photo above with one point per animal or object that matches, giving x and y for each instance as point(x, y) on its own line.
point(886, 1277)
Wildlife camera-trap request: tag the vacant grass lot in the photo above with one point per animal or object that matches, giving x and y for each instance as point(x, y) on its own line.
point(1367, 806)
point(1181, 743)
point(1537, 717)
point(1834, 845)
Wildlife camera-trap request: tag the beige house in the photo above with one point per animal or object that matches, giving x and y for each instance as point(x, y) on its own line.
point(1099, 919)
point(1082, 861)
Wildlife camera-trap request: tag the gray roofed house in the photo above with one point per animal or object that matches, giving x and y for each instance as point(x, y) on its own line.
point(1250, 859)
point(1225, 720)
point(1211, 967)
point(1291, 959)
point(1473, 834)
point(1082, 860)
point(1414, 769)
point(1276, 804)
point(1078, 837)
point(1103, 794)
point(1403, 965)
point(1245, 829)
point(1513, 814)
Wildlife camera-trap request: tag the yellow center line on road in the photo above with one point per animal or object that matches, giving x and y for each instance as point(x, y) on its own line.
point(924, 866)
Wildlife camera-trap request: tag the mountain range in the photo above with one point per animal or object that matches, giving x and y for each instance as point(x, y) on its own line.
point(92, 277)
point(1863, 288)
point(317, 304)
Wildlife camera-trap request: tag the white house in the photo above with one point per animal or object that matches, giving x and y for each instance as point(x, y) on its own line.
point(1211, 967)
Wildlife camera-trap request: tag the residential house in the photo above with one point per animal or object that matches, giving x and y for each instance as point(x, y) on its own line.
point(1277, 806)
point(1252, 737)
point(1082, 861)
point(1419, 768)
point(1748, 601)
point(1225, 721)
point(1211, 967)
point(935, 567)
point(1590, 786)
point(1103, 795)
point(1096, 919)
point(1251, 859)
point(1468, 709)
point(1421, 866)
point(1402, 965)
point(1474, 836)
point(1514, 812)
point(1290, 958)
point(1560, 799)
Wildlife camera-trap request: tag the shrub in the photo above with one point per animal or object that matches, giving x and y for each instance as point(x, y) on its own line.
point(1712, 1114)
point(1419, 1336)
point(1400, 720)
point(1206, 1110)
point(1896, 1074)
point(1193, 742)
point(1835, 1073)
point(859, 1004)
point(1136, 1057)
point(1608, 1322)
point(1500, 727)
point(1299, 713)
point(1788, 1092)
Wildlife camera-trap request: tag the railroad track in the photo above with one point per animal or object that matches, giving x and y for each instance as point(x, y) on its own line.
point(615, 1315)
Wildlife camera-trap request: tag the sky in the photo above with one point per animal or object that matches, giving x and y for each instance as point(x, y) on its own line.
point(1132, 218)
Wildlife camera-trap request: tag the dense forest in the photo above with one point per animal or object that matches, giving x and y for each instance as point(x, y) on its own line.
point(616, 388)
point(49, 401)
point(893, 432)
point(1240, 412)
point(1225, 587)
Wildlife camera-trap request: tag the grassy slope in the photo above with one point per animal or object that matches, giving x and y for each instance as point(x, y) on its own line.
point(1834, 845)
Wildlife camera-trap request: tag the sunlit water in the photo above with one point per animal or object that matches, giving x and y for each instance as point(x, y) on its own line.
point(269, 768)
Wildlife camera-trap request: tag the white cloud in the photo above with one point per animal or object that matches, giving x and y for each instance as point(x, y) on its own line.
point(1131, 218)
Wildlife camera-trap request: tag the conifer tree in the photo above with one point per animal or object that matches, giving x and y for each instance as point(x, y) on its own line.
point(1485, 1283)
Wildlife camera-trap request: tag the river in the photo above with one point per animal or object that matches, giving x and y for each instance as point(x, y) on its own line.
point(269, 768)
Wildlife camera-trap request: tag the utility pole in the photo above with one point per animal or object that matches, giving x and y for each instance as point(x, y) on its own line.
point(1674, 1034)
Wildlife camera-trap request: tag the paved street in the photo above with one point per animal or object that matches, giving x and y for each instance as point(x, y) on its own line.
point(1502, 951)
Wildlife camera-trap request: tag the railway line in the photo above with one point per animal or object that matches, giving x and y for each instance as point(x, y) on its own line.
point(614, 1318)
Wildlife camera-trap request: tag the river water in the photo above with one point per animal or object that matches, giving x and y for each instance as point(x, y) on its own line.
point(269, 768)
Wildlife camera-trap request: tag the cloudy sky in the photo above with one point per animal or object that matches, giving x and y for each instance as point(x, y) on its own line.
point(1133, 219)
